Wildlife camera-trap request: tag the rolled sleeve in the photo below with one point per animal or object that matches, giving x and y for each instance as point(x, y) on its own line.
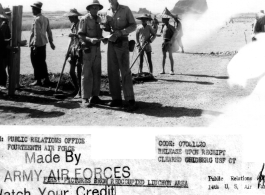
point(82, 28)
point(131, 23)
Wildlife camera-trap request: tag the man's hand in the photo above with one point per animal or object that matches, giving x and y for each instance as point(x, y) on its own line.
point(73, 35)
point(7, 40)
point(12, 49)
point(117, 33)
point(138, 46)
point(52, 45)
point(94, 40)
point(105, 41)
point(148, 41)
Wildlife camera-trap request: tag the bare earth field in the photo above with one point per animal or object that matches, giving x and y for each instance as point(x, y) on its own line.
point(194, 97)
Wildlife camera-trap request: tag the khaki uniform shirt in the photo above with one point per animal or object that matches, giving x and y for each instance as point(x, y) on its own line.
point(90, 27)
point(143, 34)
point(39, 29)
point(122, 19)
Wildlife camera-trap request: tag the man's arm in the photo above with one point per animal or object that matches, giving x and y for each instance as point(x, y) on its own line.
point(82, 33)
point(137, 36)
point(153, 33)
point(171, 28)
point(175, 33)
point(49, 32)
point(131, 23)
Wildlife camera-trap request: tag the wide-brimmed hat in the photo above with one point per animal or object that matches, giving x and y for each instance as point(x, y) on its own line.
point(164, 16)
point(144, 16)
point(37, 5)
point(3, 16)
point(95, 2)
point(177, 17)
point(73, 12)
point(7, 11)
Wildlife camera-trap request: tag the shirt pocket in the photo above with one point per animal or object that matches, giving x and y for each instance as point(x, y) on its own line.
point(121, 22)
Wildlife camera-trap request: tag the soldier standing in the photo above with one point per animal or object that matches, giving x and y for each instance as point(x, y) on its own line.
point(91, 34)
point(120, 22)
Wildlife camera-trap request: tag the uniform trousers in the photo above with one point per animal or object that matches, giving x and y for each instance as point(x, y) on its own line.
point(38, 60)
point(91, 73)
point(118, 63)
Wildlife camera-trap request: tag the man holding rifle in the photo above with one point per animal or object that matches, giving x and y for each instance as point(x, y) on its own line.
point(75, 53)
point(90, 34)
point(120, 22)
point(145, 35)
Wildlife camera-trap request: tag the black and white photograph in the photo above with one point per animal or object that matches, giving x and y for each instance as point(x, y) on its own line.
point(153, 63)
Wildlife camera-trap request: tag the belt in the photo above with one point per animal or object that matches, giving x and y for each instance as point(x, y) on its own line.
point(91, 45)
point(121, 39)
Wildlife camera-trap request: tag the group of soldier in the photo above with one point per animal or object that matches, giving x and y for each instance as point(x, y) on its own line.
point(85, 53)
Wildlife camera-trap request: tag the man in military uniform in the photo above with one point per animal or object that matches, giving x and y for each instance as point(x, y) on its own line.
point(91, 34)
point(75, 52)
point(120, 22)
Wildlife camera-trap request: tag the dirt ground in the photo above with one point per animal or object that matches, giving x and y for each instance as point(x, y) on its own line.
point(194, 97)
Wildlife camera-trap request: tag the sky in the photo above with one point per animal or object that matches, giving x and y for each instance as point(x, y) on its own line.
point(155, 6)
